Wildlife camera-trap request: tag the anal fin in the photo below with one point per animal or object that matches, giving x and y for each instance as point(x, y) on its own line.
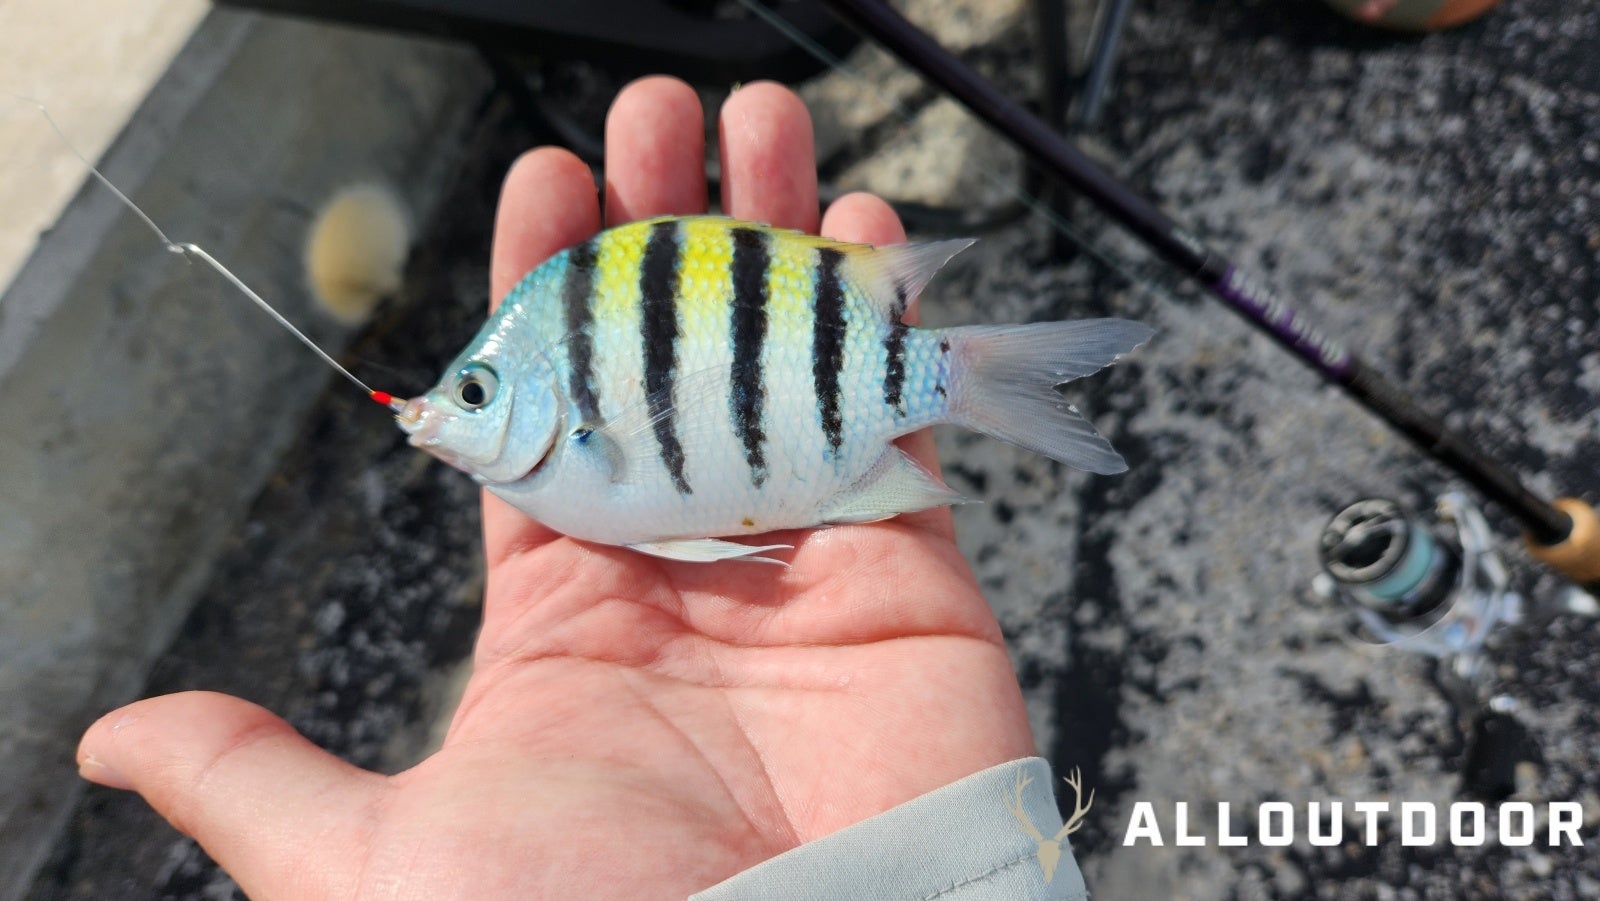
point(709, 550)
point(895, 484)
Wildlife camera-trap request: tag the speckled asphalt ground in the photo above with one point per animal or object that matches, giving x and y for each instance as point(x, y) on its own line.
point(1432, 200)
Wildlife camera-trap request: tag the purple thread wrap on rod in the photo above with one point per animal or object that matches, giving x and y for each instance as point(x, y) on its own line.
point(1261, 304)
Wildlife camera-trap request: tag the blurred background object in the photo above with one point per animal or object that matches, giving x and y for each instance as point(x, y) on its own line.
point(1413, 15)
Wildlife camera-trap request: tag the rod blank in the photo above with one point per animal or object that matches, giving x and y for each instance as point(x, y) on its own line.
point(1547, 526)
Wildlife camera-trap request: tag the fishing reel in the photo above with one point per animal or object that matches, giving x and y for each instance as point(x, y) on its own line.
point(1434, 588)
point(1440, 589)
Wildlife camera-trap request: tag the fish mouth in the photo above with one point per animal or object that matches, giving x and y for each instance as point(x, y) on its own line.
point(424, 422)
point(421, 421)
point(412, 414)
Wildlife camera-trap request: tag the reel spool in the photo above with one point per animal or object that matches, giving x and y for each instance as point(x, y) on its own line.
point(1389, 564)
point(1435, 588)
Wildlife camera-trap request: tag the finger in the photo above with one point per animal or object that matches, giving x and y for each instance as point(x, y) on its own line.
point(282, 816)
point(866, 219)
point(548, 203)
point(769, 165)
point(655, 151)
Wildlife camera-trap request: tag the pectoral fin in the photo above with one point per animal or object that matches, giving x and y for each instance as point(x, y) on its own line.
point(604, 448)
point(629, 438)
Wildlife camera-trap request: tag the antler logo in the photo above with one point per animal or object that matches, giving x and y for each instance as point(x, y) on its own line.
point(1050, 848)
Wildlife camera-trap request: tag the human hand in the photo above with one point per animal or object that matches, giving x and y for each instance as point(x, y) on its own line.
point(634, 727)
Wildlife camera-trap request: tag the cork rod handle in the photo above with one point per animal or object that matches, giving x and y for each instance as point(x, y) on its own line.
point(1578, 555)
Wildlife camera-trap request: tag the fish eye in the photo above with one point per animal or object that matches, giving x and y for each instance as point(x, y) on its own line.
point(475, 387)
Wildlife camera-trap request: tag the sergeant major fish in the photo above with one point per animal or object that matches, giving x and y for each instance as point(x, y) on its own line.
point(674, 382)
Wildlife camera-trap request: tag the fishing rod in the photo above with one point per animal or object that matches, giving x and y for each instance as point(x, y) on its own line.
point(1564, 535)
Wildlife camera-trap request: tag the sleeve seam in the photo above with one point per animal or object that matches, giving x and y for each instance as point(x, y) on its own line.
point(989, 873)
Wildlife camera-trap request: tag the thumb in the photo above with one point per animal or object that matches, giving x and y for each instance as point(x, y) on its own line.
point(282, 816)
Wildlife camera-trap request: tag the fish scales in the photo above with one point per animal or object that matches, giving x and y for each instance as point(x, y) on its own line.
point(776, 385)
point(661, 306)
point(678, 379)
point(809, 377)
point(747, 403)
point(704, 385)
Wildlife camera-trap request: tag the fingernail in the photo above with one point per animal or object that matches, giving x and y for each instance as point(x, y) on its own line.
point(92, 769)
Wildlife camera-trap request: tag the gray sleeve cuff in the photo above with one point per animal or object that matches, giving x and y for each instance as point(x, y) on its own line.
point(957, 843)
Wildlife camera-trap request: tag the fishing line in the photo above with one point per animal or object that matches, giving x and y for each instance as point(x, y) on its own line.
point(195, 251)
point(1565, 535)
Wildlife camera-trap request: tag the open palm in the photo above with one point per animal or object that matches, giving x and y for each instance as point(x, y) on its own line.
point(634, 728)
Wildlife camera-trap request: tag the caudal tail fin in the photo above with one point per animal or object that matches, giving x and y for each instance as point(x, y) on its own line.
point(1006, 385)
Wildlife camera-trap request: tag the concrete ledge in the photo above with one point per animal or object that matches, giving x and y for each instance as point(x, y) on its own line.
point(145, 404)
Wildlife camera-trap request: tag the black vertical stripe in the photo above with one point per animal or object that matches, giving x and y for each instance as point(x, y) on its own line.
point(577, 299)
point(658, 290)
point(827, 344)
point(748, 391)
point(894, 354)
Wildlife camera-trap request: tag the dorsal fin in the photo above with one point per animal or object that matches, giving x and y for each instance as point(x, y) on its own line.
point(895, 274)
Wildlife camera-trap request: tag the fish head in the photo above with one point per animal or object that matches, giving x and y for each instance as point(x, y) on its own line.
point(494, 416)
